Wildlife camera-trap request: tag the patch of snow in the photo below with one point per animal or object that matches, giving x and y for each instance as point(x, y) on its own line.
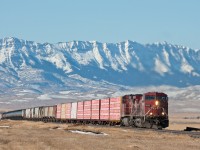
point(128, 57)
point(87, 132)
point(195, 74)
point(4, 126)
point(186, 67)
point(139, 65)
point(98, 56)
point(78, 77)
point(166, 56)
point(2, 56)
point(110, 57)
point(160, 67)
point(60, 61)
point(121, 63)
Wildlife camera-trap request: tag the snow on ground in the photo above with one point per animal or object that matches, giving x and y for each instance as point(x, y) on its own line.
point(87, 132)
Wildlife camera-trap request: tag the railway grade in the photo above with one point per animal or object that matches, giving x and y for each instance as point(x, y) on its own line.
point(58, 135)
point(193, 134)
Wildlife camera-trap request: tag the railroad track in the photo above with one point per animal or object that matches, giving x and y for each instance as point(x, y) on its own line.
point(193, 134)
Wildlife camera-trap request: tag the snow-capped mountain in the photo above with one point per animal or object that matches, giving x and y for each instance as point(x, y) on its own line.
point(33, 70)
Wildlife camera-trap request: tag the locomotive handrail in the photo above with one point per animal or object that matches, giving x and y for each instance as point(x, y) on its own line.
point(147, 113)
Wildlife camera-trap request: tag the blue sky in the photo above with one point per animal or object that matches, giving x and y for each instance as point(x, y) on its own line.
point(144, 21)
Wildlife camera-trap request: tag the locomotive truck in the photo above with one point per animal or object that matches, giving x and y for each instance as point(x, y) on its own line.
point(149, 110)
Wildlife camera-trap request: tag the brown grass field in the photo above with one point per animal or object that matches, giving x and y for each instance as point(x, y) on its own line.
point(27, 135)
point(179, 121)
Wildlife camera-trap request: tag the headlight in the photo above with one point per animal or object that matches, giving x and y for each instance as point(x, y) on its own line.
point(163, 113)
point(156, 103)
point(151, 113)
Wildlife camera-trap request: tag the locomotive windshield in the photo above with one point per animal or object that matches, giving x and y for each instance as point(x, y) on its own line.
point(148, 97)
point(156, 97)
point(162, 98)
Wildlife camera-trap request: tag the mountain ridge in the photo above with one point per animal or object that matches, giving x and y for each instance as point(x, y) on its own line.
point(117, 58)
point(33, 70)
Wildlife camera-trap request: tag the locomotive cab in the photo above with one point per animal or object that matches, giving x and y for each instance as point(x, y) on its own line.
point(156, 108)
point(148, 110)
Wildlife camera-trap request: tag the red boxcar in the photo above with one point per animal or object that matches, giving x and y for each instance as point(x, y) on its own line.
point(115, 108)
point(95, 109)
point(80, 110)
point(105, 109)
point(68, 110)
point(87, 109)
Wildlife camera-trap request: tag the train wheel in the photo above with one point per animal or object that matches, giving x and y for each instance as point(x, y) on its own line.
point(149, 124)
point(125, 122)
point(138, 122)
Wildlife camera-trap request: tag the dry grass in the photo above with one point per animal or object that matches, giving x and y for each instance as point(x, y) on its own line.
point(178, 121)
point(24, 135)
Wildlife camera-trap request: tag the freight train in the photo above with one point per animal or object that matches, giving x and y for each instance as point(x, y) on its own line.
point(149, 110)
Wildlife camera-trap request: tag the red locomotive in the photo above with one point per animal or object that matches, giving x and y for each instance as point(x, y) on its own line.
point(149, 110)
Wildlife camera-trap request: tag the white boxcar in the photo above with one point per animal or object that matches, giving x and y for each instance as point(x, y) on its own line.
point(24, 113)
point(36, 112)
point(74, 110)
point(52, 111)
point(31, 112)
point(41, 112)
point(28, 113)
point(46, 110)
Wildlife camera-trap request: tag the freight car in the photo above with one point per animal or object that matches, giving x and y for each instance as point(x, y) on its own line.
point(149, 110)
point(14, 115)
point(40, 113)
